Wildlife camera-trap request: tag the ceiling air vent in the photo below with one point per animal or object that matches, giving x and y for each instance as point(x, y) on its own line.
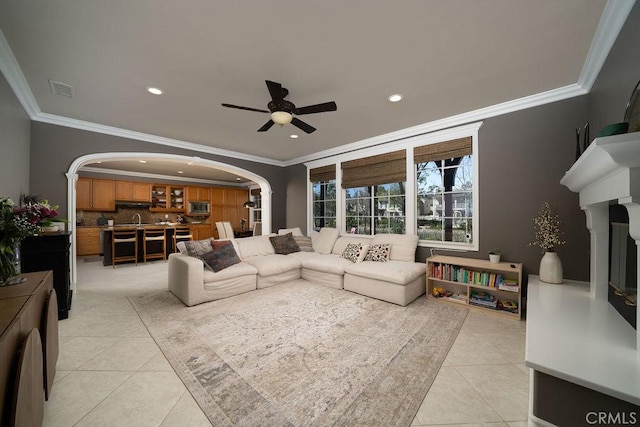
point(61, 89)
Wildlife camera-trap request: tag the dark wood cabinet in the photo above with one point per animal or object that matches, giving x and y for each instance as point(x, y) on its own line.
point(50, 252)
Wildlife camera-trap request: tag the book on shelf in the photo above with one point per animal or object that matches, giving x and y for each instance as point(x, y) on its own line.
point(454, 273)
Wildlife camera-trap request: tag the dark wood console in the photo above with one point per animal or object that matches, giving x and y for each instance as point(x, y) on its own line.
point(23, 308)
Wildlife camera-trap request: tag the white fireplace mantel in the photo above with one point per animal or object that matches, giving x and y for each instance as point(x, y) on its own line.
point(608, 170)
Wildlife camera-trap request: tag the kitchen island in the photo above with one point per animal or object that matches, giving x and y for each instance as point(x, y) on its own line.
point(169, 230)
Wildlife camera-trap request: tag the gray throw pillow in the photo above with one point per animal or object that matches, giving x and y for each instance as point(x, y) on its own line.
point(284, 244)
point(222, 256)
point(195, 248)
point(304, 243)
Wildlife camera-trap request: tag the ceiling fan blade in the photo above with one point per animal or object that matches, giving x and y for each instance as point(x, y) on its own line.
point(302, 125)
point(275, 89)
point(318, 108)
point(266, 126)
point(245, 108)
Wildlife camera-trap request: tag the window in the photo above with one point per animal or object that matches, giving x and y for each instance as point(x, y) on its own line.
point(385, 201)
point(444, 196)
point(324, 204)
point(256, 198)
point(323, 182)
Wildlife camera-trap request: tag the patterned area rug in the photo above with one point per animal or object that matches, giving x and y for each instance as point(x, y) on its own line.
point(301, 354)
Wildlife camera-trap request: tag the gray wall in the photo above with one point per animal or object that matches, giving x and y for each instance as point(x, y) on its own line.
point(54, 148)
point(619, 75)
point(14, 140)
point(296, 181)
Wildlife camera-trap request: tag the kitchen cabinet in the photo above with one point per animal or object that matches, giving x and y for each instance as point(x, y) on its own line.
point(88, 241)
point(202, 231)
point(198, 194)
point(95, 194)
point(128, 191)
point(167, 198)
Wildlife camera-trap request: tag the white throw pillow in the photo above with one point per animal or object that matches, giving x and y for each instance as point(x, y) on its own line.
point(355, 252)
point(294, 231)
point(324, 241)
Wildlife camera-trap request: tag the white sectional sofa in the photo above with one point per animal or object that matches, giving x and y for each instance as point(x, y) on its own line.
point(399, 280)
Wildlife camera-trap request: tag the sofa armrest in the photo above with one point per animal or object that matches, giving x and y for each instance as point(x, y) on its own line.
point(186, 278)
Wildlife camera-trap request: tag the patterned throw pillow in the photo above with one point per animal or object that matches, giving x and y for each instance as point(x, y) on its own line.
point(195, 248)
point(355, 252)
point(222, 256)
point(378, 253)
point(304, 243)
point(284, 244)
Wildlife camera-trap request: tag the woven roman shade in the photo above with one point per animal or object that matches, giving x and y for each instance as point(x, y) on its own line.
point(323, 173)
point(442, 150)
point(381, 169)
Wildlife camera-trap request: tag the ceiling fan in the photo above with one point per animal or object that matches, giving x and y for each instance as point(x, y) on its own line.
point(283, 111)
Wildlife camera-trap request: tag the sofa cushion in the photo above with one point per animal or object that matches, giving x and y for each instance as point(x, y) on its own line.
point(304, 243)
point(399, 272)
point(196, 248)
point(269, 265)
point(284, 244)
point(254, 246)
point(355, 252)
point(294, 231)
point(403, 246)
point(221, 256)
point(332, 264)
point(236, 270)
point(378, 252)
point(343, 241)
point(325, 240)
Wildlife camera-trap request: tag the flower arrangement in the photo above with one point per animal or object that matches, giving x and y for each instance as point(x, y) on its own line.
point(17, 223)
point(547, 226)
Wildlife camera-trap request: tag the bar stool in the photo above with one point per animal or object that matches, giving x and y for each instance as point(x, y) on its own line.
point(155, 235)
point(124, 237)
point(181, 234)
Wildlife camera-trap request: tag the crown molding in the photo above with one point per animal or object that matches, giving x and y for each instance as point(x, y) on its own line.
point(611, 22)
point(613, 18)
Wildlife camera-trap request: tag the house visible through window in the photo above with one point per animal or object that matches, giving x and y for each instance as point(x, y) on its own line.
point(375, 194)
point(444, 178)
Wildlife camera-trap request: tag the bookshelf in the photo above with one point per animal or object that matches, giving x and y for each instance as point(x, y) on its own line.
point(477, 284)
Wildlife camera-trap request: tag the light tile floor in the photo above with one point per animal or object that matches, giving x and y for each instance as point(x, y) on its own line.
point(110, 372)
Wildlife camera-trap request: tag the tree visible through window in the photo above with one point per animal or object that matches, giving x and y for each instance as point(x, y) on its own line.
point(380, 208)
point(445, 200)
point(324, 204)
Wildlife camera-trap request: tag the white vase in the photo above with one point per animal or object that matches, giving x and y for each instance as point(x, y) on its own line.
point(551, 268)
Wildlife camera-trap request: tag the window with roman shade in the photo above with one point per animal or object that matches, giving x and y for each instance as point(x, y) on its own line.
point(375, 193)
point(444, 196)
point(323, 182)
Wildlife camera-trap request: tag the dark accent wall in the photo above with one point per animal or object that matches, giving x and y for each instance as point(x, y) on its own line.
point(296, 181)
point(619, 75)
point(54, 148)
point(14, 144)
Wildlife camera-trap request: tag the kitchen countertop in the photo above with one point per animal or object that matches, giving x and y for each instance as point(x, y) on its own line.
point(149, 226)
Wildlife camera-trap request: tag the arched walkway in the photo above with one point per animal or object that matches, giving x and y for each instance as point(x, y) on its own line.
point(72, 177)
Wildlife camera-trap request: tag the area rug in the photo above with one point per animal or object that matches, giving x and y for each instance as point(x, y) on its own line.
point(300, 354)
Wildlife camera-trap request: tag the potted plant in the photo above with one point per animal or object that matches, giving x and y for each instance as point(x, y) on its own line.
point(14, 227)
point(494, 255)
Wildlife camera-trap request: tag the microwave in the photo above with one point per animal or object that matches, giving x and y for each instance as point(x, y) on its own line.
point(198, 208)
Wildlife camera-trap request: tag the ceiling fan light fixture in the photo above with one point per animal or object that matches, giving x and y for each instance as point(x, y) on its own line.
point(281, 117)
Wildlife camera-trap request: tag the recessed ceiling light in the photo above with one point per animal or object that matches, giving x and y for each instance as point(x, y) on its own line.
point(238, 179)
point(155, 90)
point(396, 97)
point(293, 136)
point(180, 171)
point(142, 161)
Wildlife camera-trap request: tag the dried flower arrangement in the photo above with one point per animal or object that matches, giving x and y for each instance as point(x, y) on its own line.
point(547, 226)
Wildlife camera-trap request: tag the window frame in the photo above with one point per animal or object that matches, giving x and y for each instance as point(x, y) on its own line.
point(408, 142)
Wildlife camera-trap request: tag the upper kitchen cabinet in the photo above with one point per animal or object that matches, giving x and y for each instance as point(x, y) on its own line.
point(127, 191)
point(198, 194)
point(167, 198)
point(95, 194)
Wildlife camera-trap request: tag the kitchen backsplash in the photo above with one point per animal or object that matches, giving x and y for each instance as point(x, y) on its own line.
point(124, 215)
